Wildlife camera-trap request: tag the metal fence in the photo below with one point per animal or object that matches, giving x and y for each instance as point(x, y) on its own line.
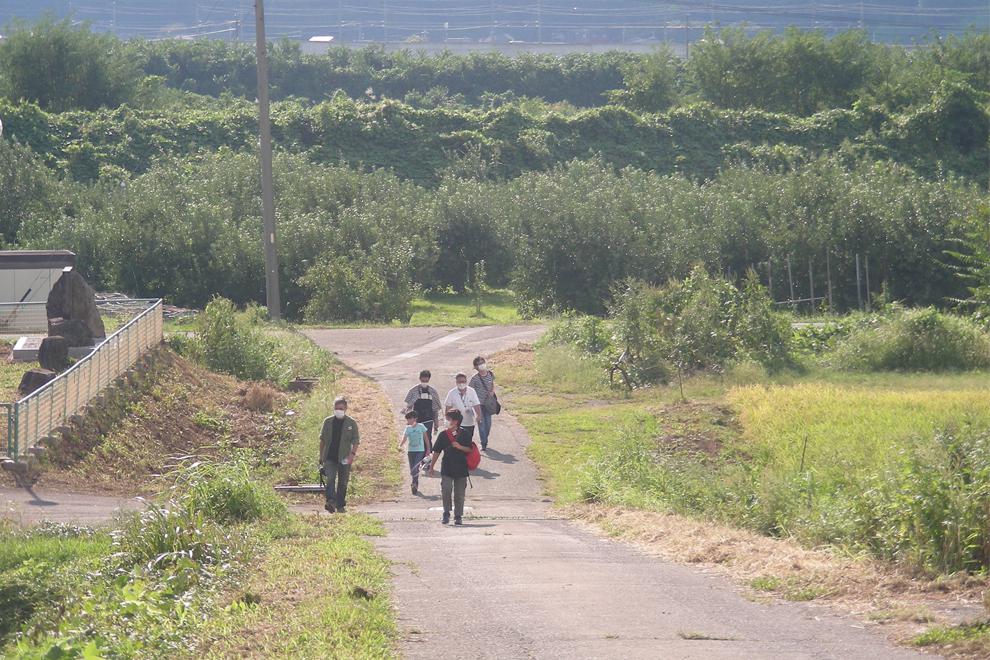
point(19, 318)
point(45, 409)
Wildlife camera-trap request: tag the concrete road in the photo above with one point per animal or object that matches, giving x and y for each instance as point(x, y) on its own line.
point(517, 582)
point(31, 506)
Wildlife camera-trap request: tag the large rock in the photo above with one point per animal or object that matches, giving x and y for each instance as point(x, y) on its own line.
point(74, 331)
point(73, 299)
point(34, 379)
point(54, 353)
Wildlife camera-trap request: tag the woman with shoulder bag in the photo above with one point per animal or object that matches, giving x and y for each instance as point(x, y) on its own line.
point(483, 382)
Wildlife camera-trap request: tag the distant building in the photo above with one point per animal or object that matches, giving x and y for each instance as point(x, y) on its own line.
point(28, 275)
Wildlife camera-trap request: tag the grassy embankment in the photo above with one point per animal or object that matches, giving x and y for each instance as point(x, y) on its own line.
point(776, 479)
point(217, 566)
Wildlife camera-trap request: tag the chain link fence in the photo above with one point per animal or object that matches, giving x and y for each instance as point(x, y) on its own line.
point(44, 410)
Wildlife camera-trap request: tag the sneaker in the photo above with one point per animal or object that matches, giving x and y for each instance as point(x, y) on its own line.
point(484, 447)
point(457, 521)
point(341, 510)
point(329, 508)
point(414, 490)
point(446, 519)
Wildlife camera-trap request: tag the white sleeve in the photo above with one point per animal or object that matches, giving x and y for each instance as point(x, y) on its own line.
point(473, 400)
point(449, 401)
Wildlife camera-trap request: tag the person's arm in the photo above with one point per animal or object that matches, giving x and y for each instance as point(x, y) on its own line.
point(410, 400)
point(403, 437)
point(433, 462)
point(355, 441)
point(476, 404)
point(324, 438)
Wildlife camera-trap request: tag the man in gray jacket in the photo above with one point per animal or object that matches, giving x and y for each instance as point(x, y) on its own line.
point(339, 440)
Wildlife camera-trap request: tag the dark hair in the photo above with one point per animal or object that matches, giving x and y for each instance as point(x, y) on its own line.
point(456, 416)
point(425, 373)
point(478, 360)
point(412, 414)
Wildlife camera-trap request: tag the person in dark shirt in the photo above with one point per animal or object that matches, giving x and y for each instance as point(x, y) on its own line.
point(339, 440)
point(455, 445)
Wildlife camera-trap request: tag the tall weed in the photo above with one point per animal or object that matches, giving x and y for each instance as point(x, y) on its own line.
point(914, 340)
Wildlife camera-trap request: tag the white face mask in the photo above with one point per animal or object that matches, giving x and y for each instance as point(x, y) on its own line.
point(462, 386)
point(339, 414)
point(483, 367)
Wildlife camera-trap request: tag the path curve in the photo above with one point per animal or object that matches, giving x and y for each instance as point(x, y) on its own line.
point(518, 582)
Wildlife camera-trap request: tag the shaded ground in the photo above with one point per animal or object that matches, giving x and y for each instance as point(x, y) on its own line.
point(172, 410)
point(517, 581)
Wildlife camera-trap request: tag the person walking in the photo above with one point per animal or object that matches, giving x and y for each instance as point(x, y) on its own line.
point(464, 399)
point(483, 382)
point(415, 435)
point(425, 401)
point(455, 445)
point(339, 440)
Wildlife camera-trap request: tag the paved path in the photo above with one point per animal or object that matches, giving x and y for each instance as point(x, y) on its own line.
point(517, 582)
point(30, 507)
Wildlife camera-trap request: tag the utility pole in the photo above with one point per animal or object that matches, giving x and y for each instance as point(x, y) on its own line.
point(265, 152)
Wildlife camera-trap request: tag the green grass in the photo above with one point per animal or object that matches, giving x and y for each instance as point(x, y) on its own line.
point(968, 640)
point(37, 568)
point(10, 378)
point(458, 309)
point(322, 592)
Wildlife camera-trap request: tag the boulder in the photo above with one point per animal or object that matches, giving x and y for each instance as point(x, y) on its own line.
point(75, 332)
point(34, 379)
point(73, 299)
point(54, 353)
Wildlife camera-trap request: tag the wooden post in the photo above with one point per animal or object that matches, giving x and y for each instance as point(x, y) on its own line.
point(811, 283)
point(828, 275)
point(859, 285)
point(866, 264)
point(790, 281)
point(770, 276)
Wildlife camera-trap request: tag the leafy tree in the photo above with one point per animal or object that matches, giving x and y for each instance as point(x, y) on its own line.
point(61, 67)
point(650, 83)
point(973, 262)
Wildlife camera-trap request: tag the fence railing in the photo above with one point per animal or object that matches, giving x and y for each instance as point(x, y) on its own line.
point(18, 318)
point(49, 407)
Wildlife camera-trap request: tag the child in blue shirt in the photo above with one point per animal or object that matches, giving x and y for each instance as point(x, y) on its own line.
point(415, 435)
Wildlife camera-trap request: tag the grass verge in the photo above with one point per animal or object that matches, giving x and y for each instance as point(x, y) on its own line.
point(321, 592)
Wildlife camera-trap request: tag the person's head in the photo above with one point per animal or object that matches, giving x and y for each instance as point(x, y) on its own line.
point(412, 418)
point(480, 364)
point(461, 380)
point(454, 419)
point(424, 377)
point(339, 407)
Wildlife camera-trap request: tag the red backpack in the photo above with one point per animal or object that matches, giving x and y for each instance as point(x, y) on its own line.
point(473, 457)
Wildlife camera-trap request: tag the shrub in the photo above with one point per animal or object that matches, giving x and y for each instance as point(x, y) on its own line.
point(229, 344)
point(162, 535)
point(225, 493)
point(358, 288)
point(914, 340)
